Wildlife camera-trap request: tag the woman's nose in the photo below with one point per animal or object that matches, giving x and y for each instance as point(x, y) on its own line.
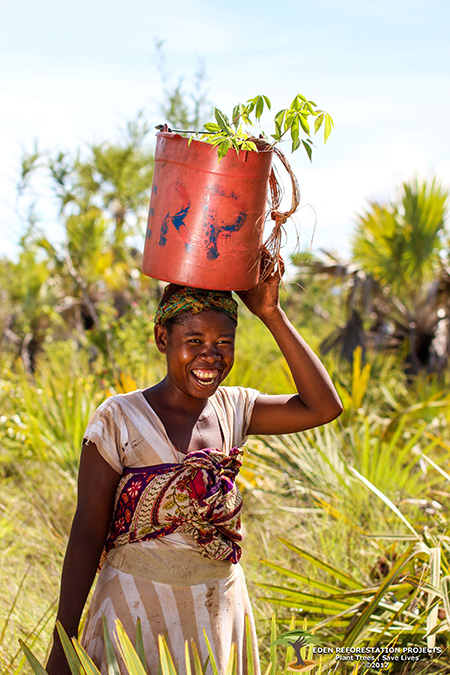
point(211, 352)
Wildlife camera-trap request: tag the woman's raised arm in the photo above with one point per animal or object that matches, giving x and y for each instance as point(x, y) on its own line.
point(317, 401)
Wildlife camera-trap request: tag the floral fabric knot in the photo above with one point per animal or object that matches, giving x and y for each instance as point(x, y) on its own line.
point(199, 497)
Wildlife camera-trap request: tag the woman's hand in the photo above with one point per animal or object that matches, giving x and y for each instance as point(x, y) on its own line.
point(263, 299)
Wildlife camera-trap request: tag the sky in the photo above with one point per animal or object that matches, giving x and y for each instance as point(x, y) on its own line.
point(74, 73)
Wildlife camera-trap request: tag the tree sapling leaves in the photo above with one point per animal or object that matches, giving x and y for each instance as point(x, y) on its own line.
point(237, 114)
point(295, 145)
point(279, 117)
point(289, 119)
point(259, 107)
point(304, 124)
point(251, 105)
point(294, 119)
point(223, 148)
point(308, 149)
point(295, 129)
point(222, 120)
point(328, 126)
point(249, 145)
point(318, 122)
point(210, 126)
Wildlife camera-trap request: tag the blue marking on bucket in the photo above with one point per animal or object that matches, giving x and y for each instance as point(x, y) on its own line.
point(180, 226)
point(227, 230)
point(216, 189)
point(164, 228)
point(148, 234)
point(178, 218)
point(151, 211)
point(213, 231)
point(154, 189)
point(178, 221)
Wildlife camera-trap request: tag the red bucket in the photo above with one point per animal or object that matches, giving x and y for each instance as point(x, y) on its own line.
point(206, 218)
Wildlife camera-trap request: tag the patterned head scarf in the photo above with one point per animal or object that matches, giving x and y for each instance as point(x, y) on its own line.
point(178, 299)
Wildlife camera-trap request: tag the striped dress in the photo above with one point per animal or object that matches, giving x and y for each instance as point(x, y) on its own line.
point(166, 582)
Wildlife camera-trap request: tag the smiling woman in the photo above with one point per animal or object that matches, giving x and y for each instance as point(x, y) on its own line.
point(158, 504)
point(196, 330)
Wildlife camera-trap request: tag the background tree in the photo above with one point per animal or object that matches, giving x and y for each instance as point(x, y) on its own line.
point(80, 286)
point(396, 290)
point(101, 197)
point(403, 246)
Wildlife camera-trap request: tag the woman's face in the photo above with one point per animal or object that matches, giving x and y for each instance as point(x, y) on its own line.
point(199, 351)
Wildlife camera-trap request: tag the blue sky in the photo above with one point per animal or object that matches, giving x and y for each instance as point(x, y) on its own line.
point(74, 73)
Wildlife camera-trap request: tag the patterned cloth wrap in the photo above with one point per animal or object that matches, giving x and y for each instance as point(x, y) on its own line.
point(198, 497)
point(195, 300)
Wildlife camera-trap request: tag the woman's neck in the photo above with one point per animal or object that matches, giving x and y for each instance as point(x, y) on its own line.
point(171, 398)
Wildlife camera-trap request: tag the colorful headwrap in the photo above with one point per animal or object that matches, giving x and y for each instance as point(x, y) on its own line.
point(194, 300)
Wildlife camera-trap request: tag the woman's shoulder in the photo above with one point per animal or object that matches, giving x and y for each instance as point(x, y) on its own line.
point(120, 401)
point(235, 396)
point(235, 390)
point(234, 406)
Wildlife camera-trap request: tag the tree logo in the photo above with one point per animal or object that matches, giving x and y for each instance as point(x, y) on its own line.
point(298, 638)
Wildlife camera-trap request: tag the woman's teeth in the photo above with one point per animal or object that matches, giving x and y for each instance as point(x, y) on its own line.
point(205, 377)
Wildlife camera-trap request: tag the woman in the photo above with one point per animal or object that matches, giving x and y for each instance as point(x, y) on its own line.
point(180, 574)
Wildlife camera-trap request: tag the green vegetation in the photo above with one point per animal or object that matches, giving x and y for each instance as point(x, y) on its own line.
point(396, 288)
point(361, 568)
point(134, 656)
point(347, 525)
point(294, 120)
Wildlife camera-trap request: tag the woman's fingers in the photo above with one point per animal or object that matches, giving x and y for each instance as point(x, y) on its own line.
point(275, 265)
point(277, 273)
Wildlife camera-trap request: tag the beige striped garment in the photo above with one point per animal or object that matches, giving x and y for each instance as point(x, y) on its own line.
point(166, 582)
